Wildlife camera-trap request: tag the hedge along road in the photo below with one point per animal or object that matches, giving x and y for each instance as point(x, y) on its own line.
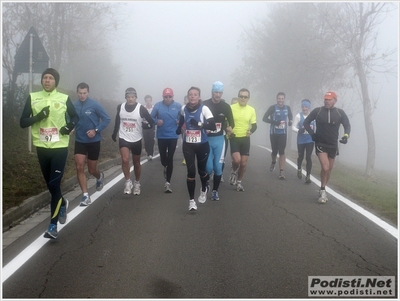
point(261, 243)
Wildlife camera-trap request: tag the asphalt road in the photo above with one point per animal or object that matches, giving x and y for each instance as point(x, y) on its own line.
point(260, 243)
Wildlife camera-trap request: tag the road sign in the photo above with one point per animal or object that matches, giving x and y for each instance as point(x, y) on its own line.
point(40, 59)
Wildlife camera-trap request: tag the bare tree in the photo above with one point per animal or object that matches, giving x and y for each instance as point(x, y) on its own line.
point(65, 29)
point(356, 28)
point(306, 48)
point(287, 52)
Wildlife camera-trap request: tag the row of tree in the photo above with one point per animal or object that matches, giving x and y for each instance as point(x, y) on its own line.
point(306, 49)
point(303, 49)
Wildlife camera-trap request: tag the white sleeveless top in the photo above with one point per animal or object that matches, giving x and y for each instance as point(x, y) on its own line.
point(130, 128)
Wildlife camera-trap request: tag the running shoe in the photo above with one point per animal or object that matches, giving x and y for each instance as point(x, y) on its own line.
point(299, 175)
point(62, 217)
point(51, 232)
point(281, 175)
point(167, 187)
point(136, 188)
point(239, 186)
point(272, 167)
point(203, 196)
point(165, 172)
point(128, 187)
point(214, 196)
point(184, 162)
point(192, 205)
point(323, 197)
point(86, 201)
point(308, 180)
point(100, 182)
point(232, 178)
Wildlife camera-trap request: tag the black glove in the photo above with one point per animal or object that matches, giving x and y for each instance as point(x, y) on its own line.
point(290, 123)
point(114, 137)
point(344, 139)
point(314, 137)
point(178, 130)
point(194, 122)
point(275, 122)
point(65, 130)
point(44, 113)
point(302, 130)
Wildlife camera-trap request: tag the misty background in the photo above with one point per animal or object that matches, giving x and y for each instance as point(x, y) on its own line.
point(151, 45)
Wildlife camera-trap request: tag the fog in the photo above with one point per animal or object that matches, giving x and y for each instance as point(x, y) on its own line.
point(184, 44)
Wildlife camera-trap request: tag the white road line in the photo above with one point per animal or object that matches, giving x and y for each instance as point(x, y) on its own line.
point(29, 251)
point(381, 223)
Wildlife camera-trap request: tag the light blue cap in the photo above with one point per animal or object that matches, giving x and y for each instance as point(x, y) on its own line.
point(217, 87)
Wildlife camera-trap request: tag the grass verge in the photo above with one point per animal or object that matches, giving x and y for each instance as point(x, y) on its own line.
point(377, 194)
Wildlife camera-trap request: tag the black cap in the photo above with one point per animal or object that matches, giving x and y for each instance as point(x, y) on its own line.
point(53, 72)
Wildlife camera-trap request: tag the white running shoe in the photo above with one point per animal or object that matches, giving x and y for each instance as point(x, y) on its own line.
point(192, 205)
point(323, 197)
point(128, 187)
point(232, 178)
point(203, 196)
point(86, 201)
point(136, 188)
point(167, 187)
point(239, 186)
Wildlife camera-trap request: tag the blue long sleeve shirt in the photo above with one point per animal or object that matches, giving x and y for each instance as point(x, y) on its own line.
point(170, 115)
point(91, 116)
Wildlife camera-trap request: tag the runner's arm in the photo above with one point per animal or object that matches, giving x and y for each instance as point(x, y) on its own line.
point(26, 118)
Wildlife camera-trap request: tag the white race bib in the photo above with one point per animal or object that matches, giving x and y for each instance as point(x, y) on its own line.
point(193, 136)
point(281, 126)
point(218, 125)
point(129, 127)
point(49, 135)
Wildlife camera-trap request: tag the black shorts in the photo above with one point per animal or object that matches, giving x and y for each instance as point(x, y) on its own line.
point(331, 151)
point(134, 147)
point(240, 145)
point(91, 150)
point(278, 143)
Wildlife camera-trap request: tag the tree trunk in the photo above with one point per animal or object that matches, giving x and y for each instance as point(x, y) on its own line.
point(369, 127)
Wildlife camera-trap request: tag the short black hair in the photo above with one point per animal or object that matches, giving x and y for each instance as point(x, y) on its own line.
point(82, 86)
point(281, 93)
point(244, 90)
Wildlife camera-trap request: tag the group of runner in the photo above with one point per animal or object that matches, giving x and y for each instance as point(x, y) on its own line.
point(205, 126)
point(319, 126)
